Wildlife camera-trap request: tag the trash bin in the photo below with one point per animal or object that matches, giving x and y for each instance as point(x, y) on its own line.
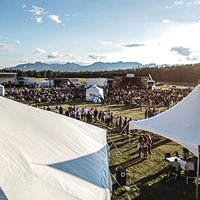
point(121, 175)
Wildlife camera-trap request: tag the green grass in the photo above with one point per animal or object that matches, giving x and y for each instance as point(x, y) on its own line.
point(80, 80)
point(39, 79)
point(147, 179)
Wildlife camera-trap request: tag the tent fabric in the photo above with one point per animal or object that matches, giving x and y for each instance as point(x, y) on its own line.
point(179, 123)
point(45, 155)
point(44, 83)
point(2, 90)
point(92, 92)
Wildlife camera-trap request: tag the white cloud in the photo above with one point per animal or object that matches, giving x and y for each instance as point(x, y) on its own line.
point(38, 19)
point(6, 46)
point(197, 2)
point(181, 50)
point(17, 41)
point(175, 4)
point(106, 42)
point(132, 45)
point(179, 3)
point(73, 57)
point(55, 18)
point(67, 14)
point(194, 58)
point(37, 10)
point(39, 51)
point(95, 57)
point(166, 21)
point(55, 54)
point(157, 48)
point(24, 6)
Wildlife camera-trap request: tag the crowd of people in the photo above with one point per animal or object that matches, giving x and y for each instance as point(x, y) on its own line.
point(150, 98)
point(188, 168)
point(52, 94)
point(94, 115)
point(132, 97)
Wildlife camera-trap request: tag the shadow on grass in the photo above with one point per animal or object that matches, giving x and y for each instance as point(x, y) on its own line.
point(162, 142)
point(166, 188)
point(158, 187)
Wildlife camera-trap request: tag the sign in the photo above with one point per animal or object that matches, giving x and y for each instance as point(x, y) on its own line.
point(130, 75)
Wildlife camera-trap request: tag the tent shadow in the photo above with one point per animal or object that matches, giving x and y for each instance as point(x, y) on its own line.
point(87, 167)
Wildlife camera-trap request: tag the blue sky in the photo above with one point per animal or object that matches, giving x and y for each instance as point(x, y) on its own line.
point(88, 31)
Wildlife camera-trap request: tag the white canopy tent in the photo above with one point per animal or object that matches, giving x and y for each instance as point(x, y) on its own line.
point(180, 123)
point(44, 83)
point(45, 155)
point(94, 91)
point(2, 90)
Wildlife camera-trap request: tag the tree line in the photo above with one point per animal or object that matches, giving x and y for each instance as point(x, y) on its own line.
point(180, 74)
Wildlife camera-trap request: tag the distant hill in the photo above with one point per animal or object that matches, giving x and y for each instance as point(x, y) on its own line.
point(73, 67)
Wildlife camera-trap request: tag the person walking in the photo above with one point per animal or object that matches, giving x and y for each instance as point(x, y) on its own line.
point(120, 123)
point(61, 110)
point(117, 124)
point(145, 147)
point(149, 143)
point(111, 119)
point(95, 114)
point(125, 124)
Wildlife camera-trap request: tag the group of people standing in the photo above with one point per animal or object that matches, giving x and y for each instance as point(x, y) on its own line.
point(144, 146)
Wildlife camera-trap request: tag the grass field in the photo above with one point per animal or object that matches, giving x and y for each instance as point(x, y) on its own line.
point(147, 179)
point(80, 80)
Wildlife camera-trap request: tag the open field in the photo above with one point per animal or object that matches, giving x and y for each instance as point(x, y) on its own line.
point(147, 179)
point(80, 80)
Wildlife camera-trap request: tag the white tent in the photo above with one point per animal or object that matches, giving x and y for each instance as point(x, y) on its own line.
point(45, 155)
point(180, 123)
point(94, 91)
point(2, 90)
point(44, 83)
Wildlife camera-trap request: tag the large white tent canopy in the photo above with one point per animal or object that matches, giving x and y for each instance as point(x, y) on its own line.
point(45, 155)
point(180, 123)
point(94, 91)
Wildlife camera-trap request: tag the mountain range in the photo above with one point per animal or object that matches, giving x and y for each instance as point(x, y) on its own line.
point(74, 67)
